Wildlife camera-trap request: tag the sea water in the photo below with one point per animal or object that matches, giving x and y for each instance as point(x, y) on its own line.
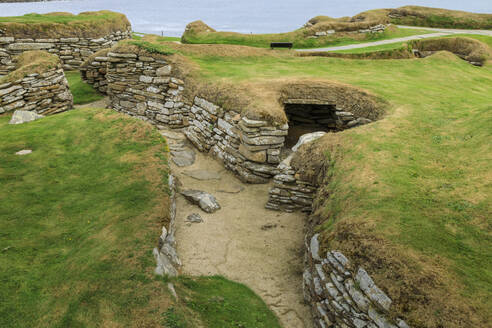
point(169, 17)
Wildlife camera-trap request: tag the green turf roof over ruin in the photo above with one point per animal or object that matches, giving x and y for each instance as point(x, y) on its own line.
point(93, 24)
point(32, 62)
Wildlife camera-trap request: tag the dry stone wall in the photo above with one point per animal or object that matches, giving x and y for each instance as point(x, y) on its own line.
point(44, 93)
point(93, 70)
point(341, 295)
point(72, 51)
point(165, 254)
point(143, 86)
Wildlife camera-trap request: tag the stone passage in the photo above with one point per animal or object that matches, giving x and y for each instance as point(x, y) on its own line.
point(341, 295)
point(144, 86)
point(45, 92)
point(72, 51)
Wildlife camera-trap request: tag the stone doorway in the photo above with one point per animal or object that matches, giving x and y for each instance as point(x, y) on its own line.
point(309, 117)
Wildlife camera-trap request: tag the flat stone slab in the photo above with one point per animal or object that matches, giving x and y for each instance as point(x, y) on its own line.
point(23, 116)
point(231, 189)
point(194, 218)
point(172, 135)
point(183, 158)
point(202, 175)
point(23, 152)
point(206, 201)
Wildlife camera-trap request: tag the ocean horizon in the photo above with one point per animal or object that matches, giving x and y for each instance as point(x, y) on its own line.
point(252, 16)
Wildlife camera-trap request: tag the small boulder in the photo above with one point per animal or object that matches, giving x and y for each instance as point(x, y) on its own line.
point(206, 201)
point(23, 116)
point(194, 218)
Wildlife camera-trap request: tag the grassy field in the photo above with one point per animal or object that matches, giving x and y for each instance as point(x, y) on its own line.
point(298, 38)
point(419, 180)
point(78, 220)
point(82, 92)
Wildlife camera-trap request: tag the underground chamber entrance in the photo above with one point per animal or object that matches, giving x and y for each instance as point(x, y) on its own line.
point(308, 118)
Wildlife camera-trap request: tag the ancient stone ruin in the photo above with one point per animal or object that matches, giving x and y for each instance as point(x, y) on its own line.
point(38, 84)
point(72, 47)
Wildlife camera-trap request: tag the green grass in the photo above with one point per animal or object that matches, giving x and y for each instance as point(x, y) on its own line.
point(78, 220)
point(432, 166)
point(222, 304)
point(298, 38)
point(82, 92)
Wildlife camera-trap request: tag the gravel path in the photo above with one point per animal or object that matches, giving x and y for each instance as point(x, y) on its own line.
point(242, 241)
point(437, 33)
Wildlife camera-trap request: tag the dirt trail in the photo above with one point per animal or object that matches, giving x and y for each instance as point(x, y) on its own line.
point(242, 241)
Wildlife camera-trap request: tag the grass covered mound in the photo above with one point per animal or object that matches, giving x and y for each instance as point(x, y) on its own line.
point(436, 17)
point(32, 62)
point(79, 217)
point(92, 24)
point(406, 197)
point(467, 48)
point(199, 33)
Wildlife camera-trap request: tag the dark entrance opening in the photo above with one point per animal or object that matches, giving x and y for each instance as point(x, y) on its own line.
point(307, 118)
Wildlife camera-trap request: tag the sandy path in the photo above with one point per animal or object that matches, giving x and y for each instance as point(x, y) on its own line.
point(232, 243)
point(437, 33)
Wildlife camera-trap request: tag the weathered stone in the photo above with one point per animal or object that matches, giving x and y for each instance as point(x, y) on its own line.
point(194, 218)
point(29, 46)
point(202, 174)
point(164, 70)
point(314, 247)
point(306, 138)
point(206, 201)
point(379, 319)
point(24, 152)
point(371, 290)
point(21, 116)
point(183, 158)
point(262, 141)
point(257, 156)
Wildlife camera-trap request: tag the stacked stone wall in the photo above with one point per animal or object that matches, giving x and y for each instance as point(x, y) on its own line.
point(93, 70)
point(45, 93)
point(165, 254)
point(72, 51)
point(341, 295)
point(144, 86)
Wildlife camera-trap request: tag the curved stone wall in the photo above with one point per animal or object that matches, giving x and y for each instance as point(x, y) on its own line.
point(143, 86)
point(72, 51)
point(341, 295)
point(44, 93)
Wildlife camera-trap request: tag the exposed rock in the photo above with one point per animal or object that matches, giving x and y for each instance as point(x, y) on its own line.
point(24, 152)
point(183, 158)
point(308, 138)
point(202, 174)
point(22, 116)
point(206, 201)
point(194, 218)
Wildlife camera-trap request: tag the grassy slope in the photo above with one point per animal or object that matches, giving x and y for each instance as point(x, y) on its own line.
point(297, 38)
point(423, 182)
point(83, 93)
point(78, 220)
point(437, 17)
